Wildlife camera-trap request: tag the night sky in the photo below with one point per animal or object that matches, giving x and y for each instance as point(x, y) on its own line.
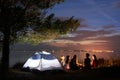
point(100, 23)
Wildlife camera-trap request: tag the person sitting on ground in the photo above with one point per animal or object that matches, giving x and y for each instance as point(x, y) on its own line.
point(62, 61)
point(94, 62)
point(87, 61)
point(73, 63)
point(67, 62)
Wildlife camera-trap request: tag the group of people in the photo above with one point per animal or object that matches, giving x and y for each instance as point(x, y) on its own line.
point(70, 64)
point(90, 63)
point(73, 64)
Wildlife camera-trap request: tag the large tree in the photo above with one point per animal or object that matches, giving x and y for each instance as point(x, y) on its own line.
point(27, 20)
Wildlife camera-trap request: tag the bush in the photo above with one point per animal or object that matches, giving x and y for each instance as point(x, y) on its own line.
point(18, 66)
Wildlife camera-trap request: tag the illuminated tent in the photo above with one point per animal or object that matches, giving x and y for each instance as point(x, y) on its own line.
point(43, 61)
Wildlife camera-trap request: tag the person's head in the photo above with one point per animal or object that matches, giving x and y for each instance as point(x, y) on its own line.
point(87, 55)
point(67, 56)
point(75, 56)
point(94, 57)
point(62, 57)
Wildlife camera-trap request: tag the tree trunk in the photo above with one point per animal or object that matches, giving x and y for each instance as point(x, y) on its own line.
point(5, 52)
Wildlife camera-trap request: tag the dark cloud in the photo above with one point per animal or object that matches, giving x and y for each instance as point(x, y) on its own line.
point(109, 27)
point(117, 4)
point(111, 39)
point(105, 38)
point(83, 25)
point(86, 34)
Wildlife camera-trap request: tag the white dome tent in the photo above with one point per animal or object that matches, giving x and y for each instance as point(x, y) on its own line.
point(43, 61)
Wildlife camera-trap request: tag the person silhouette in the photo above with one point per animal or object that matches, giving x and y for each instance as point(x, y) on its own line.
point(94, 62)
point(87, 61)
point(67, 61)
point(73, 63)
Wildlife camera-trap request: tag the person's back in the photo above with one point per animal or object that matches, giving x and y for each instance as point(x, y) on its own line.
point(87, 62)
point(73, 63)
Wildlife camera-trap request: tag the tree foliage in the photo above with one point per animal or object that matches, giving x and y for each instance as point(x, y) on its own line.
point(17, 15)
point(50, 29)
point(28, 21)
point(21, 15)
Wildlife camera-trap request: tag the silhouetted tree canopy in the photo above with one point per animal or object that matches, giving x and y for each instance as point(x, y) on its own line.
point(49, 29)
point(28, 21)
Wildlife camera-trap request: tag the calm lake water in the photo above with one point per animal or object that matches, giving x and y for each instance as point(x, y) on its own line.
point(22, 56)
